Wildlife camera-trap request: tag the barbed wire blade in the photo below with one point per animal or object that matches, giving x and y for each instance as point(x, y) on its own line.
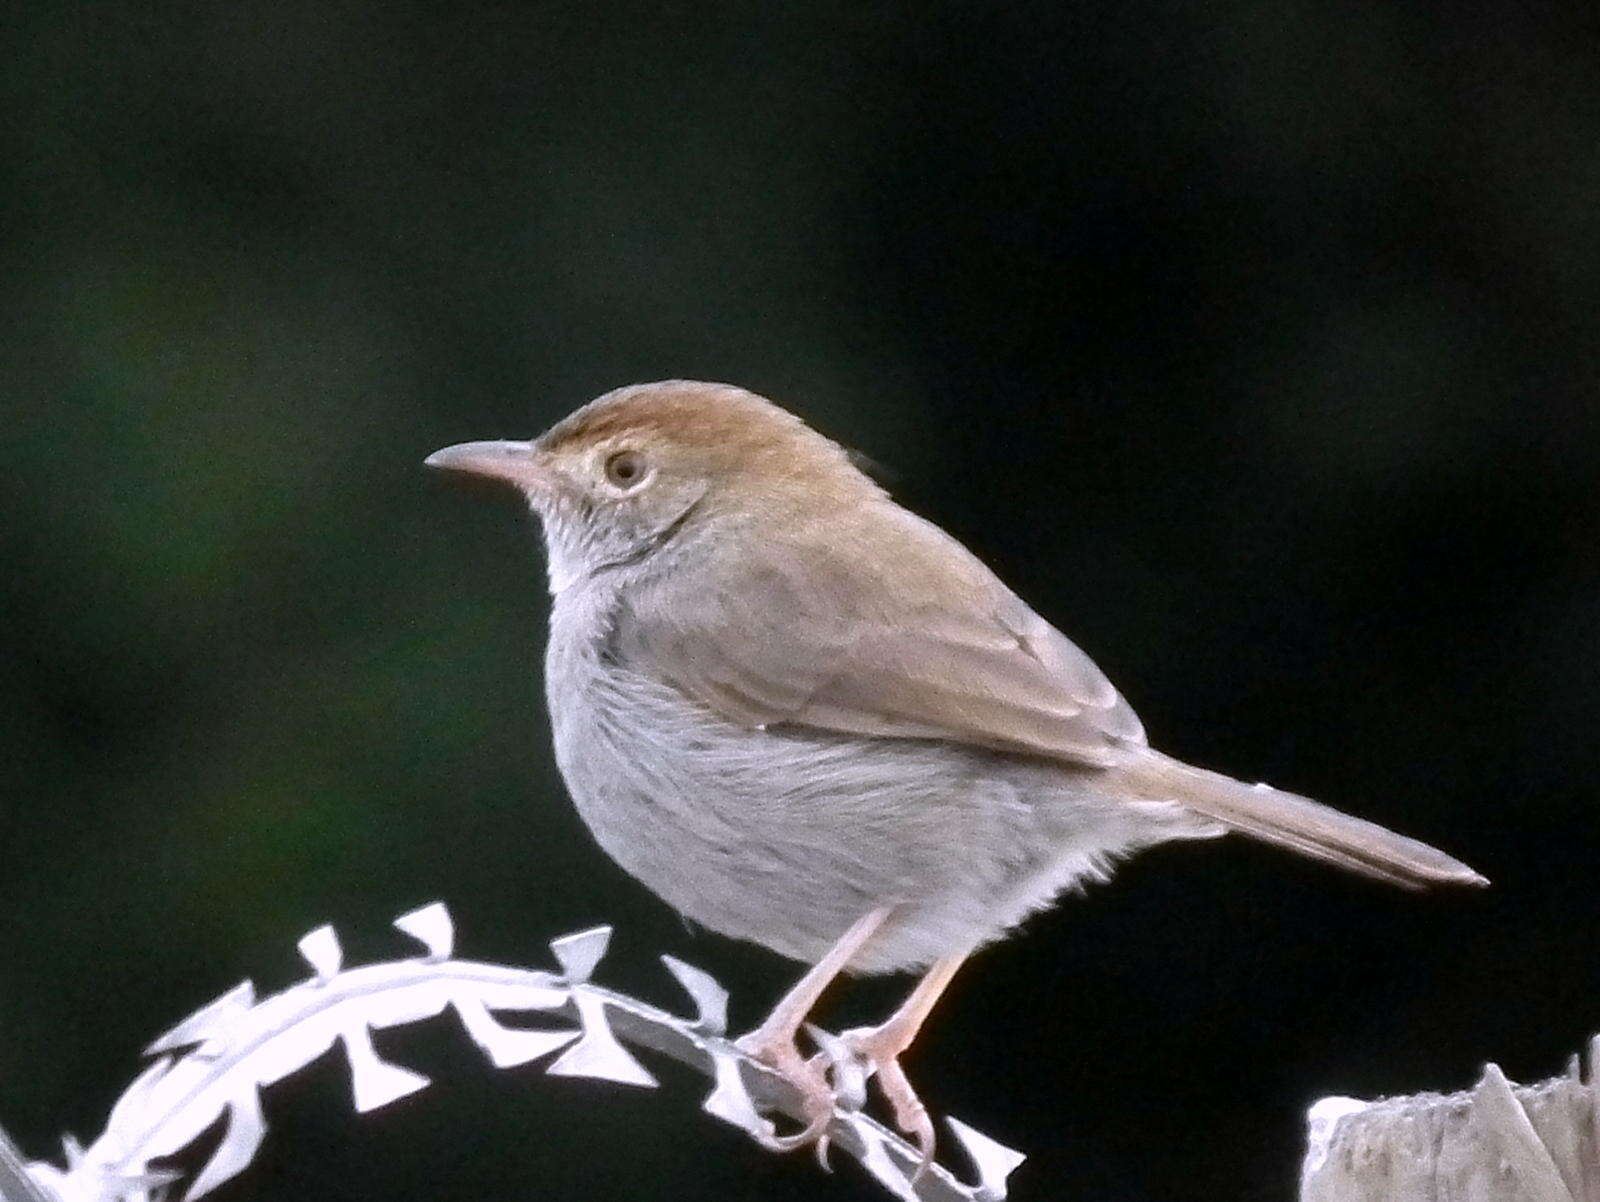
point(710, 998)
point(876, 1160)
point(994, 1161)
point(72, 1151)
point(213, 1019)
point(375, 1082)
point(321, 950)
point(730, 1100)
point(597, 1053)
point(431, 926)
point(152, 1183)
point(246, 1129)
point(505, 1046)
point(579, 952)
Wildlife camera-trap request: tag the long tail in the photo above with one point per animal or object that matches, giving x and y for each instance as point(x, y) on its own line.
point(1295, 822)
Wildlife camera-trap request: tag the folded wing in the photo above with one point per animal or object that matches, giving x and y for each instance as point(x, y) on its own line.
point(920, 641)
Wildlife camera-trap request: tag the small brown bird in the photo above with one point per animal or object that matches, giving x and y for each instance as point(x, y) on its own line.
point(806, 717)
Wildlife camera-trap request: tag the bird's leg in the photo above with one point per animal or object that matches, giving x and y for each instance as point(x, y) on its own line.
point(773, 1042)
point(879, 1049)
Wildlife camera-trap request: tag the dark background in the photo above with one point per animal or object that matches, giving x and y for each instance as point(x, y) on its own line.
point(1255, 344)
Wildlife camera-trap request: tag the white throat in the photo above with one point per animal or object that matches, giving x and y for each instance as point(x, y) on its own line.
point(563, 547)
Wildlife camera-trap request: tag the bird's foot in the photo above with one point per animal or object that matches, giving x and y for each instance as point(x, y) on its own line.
point(837, 1076)
point(877, 1051)
point(807, 1075)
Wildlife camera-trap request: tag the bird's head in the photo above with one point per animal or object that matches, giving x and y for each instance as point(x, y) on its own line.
point(656, 466)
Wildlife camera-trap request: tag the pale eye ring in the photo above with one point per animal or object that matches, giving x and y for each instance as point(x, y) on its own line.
point(625, 469)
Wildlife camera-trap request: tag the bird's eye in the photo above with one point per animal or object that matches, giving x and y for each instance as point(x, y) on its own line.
point(625, 469)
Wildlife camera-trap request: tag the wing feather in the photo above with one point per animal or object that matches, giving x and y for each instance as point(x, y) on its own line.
point(918, 640)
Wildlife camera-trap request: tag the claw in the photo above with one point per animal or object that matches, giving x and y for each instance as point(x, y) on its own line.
point(910, 1115)
point(875, 1050)
point(806, 1077)
point(813, 1133)
point(821, 1149)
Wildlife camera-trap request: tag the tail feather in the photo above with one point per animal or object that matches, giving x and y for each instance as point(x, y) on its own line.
point(1296, 822)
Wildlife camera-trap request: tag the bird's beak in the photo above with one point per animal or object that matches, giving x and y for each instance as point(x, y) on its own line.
point(518, 463)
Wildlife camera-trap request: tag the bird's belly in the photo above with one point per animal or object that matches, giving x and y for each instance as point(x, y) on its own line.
point(787, 836)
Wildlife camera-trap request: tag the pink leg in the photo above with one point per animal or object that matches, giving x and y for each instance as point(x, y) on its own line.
point(773, 1042)
point(880, 1048)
